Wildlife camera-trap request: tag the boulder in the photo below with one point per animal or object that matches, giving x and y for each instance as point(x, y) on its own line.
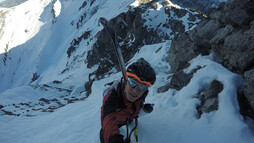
point(209, 98)
point(181, 51)
point(179, 80)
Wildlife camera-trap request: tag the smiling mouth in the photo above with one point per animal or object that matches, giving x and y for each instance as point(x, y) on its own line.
point(133, 95)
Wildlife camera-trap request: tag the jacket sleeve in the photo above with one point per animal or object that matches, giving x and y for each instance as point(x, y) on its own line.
point(111, 133)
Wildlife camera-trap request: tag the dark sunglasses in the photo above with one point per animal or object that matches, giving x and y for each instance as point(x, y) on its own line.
point(134, 84)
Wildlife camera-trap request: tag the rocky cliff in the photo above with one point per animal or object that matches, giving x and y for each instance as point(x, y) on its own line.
point(149, 23)
point(228, 31)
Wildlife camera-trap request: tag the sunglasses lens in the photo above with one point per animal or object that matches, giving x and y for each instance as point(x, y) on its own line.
point(143, 88)
point(133, 84)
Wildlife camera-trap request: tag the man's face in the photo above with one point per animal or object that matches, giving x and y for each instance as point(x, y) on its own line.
point(133, 93)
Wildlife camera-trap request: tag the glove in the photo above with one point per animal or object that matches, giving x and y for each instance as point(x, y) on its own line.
point(148, 108)
point(127, 140)
point(116, 139)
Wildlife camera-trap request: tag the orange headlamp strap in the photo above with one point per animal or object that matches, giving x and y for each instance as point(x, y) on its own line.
point(136, 77)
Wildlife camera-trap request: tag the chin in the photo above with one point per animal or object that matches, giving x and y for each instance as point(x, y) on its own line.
point(131, 99)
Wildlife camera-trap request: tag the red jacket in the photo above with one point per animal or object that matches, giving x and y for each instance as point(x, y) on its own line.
point(115, 110)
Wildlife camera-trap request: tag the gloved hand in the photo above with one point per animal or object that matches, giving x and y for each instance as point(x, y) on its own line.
point(148, 108)
point(127, 140)
point(116, 139)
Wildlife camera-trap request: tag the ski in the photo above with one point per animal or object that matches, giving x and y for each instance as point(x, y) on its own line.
point(113, 35)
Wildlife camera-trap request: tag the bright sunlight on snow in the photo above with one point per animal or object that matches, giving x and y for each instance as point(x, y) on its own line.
point(21, 23)
point(57, 8)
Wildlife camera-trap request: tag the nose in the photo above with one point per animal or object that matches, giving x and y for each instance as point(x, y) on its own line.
point(136, 89)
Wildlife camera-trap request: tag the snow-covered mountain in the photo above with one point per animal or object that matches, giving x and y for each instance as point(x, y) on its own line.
point(10, 3)
point(54, 53)
point(201, 5)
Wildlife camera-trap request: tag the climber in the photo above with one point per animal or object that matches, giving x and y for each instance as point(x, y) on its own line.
point(123, 101)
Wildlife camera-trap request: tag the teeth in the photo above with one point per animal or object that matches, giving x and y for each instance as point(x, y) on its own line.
point(133, 95)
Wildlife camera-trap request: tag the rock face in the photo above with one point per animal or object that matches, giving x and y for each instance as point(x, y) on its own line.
point(138, 33)
point(249, 86)
point(229, 32)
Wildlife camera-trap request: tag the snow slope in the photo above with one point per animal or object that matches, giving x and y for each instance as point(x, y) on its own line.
point(173, 120)
point(45, 53)
point(2, 1)
point(21, 23)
